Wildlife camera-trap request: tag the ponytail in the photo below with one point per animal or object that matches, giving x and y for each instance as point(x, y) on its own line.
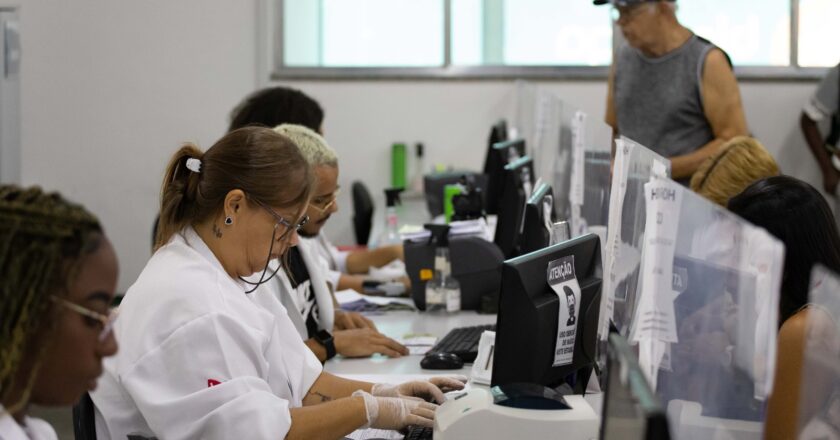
point(178, 194)
point(258, 161)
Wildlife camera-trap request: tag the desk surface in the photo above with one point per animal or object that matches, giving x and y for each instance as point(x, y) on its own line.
point(397, 325)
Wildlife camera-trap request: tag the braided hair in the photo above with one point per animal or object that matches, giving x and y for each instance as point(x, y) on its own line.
point(42, 237)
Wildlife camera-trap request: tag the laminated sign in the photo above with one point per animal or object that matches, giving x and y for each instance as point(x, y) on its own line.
point(562, 279)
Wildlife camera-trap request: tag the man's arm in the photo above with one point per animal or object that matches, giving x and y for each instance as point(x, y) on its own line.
point(724, 111)
point(610, 117)
point(362, 260)
point(831, 177)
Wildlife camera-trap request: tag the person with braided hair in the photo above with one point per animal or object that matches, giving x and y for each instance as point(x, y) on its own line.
point(58, 274)
point(205, 354)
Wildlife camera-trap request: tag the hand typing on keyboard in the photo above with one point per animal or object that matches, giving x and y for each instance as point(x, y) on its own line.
point(431, 391)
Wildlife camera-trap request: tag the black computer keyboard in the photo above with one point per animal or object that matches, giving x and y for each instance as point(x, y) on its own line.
point(462, 341)
point(418, 433)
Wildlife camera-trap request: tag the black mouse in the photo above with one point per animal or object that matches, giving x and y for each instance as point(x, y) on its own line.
point(441, 361)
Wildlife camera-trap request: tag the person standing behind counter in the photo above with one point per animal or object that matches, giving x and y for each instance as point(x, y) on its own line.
point(670, 89)
point(200, 358)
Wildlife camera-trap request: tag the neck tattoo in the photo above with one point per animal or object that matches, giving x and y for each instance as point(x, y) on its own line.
point(216, 231)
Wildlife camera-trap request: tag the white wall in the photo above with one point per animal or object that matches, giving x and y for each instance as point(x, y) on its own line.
point(110, 89)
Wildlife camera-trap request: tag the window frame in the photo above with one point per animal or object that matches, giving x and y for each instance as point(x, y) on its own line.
point(272, 55)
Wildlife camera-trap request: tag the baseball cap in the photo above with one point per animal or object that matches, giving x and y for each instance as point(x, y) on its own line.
point(623, 2)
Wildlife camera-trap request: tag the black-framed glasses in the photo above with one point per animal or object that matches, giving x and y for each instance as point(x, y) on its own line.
point(282, 220)
point(106, 321)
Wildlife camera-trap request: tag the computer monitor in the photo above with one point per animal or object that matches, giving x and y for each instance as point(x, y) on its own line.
point(517, 182)
point(498, 156)
point(498, 133)
point(529, 311)
point(631, 410)
point(536, 233)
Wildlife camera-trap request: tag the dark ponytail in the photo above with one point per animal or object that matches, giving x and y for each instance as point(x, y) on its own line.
point(177, 194)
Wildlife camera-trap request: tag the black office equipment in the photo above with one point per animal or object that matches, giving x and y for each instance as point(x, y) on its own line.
point(631, 410)
point(517, 183)
point(416, 432)
point(498, 133)
point(528, 396)
point(434, 184)
point(475, 264)
point(441, 361)
point(535, 233)
point(362, 212)
point(527, 325)
point(462, 341)
point(498, 156)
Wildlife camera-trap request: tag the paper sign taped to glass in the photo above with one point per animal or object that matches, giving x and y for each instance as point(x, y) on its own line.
point(563, 280)
point(634, 166)
point(706, 311)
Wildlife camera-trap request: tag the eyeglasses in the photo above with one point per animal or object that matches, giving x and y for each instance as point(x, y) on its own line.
point(282, 221)
point(107, 321)
point(322, 204)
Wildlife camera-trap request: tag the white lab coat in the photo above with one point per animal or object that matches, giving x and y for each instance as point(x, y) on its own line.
point(198, 357)
point(280, 288)
point(34, 429)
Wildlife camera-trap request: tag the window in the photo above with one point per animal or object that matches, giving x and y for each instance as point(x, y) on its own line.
point(533, 37)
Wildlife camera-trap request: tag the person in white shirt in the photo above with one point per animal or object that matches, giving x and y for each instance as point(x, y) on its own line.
point(303, 285)
point(203, 354)
point(275, 106)
point(58, 275)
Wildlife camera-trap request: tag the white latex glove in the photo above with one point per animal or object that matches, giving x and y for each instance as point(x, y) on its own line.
point(431, 391)
point(396, 413)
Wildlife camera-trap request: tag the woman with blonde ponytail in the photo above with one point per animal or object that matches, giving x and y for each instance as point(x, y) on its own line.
point(204, 354)
point(58, 274)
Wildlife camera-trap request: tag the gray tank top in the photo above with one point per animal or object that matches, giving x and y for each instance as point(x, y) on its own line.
point(658, 101)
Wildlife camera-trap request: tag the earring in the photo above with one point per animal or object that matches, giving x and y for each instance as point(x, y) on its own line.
point(228, 221)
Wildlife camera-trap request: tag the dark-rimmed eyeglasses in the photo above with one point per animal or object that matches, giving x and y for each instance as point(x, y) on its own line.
point(280, 220)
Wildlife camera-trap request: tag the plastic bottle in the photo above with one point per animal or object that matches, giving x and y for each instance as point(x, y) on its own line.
point(418, 170)
point(443, 292)
point(392, 226)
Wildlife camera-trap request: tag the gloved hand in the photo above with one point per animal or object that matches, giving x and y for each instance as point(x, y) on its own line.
point(396, 413)
point(431, 390)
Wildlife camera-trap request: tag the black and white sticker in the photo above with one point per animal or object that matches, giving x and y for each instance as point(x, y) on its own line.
point(562, 279)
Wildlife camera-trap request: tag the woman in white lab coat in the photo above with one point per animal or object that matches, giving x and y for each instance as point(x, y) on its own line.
point(201, 358)
point(58, 273)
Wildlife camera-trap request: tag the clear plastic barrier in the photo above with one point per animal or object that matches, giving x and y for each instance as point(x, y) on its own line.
point(635, 165)
point(705, 317)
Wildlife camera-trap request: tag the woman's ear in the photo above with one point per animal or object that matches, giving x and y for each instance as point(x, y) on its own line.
point(234, 200)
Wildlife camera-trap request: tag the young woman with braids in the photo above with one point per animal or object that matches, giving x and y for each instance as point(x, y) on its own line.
point(58, 273)
point(206, 356)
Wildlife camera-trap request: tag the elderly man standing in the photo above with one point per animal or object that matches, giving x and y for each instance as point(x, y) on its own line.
point(669, 89)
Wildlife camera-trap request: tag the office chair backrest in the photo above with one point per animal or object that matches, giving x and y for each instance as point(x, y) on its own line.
point(84, 426)
point(362, 212)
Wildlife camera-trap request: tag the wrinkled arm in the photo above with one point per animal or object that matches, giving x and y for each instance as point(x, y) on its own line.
point(724, 111)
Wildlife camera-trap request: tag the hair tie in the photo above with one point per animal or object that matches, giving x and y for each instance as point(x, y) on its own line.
point(194, 165)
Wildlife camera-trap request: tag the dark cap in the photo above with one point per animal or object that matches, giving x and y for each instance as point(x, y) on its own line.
point(624, 2)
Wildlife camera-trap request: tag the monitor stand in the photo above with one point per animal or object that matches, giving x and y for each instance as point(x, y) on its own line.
point(473, 415)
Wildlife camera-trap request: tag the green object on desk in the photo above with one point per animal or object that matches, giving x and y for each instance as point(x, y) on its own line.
point(398, 165)
point(450, 191)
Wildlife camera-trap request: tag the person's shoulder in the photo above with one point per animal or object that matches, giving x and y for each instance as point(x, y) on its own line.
point(795, 328)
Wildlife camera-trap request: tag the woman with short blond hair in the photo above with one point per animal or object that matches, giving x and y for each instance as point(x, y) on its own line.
point(739, 163)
